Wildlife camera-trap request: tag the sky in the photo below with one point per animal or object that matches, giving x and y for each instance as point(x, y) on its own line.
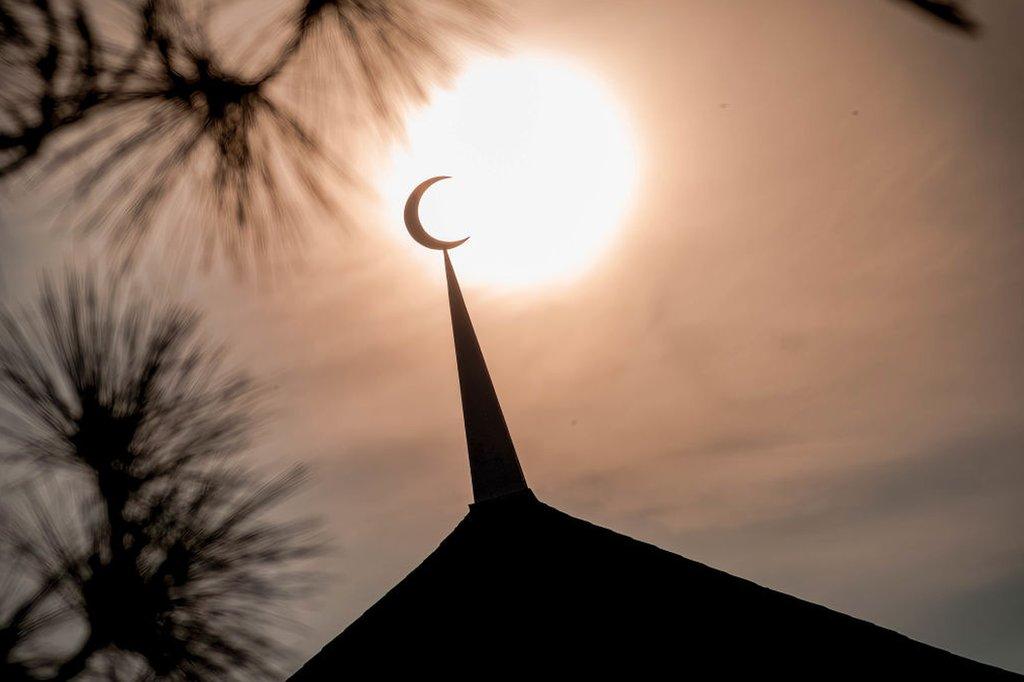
point(798, 359)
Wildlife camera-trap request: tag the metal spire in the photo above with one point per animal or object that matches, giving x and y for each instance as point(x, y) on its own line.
point(493, 464)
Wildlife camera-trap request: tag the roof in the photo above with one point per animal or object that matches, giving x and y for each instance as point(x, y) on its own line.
point(519, 586)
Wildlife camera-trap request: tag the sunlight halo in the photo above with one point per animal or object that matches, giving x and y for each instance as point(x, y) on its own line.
point(544, 170)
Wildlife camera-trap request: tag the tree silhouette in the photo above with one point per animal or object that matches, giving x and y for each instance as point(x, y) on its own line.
point(948, 12)
point(140, 531)
point(132, 106)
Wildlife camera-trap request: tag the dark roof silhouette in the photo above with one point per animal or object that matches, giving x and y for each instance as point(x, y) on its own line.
point(519, 586)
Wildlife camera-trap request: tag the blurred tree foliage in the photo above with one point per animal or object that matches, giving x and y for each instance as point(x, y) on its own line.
point(137, 543)
point(217, 108)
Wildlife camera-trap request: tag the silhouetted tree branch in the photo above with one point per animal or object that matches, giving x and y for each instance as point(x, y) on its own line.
point(132, 107)
point(948, 12)
point(157, 547)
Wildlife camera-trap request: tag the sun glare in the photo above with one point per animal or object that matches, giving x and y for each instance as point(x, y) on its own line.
point(543, 169)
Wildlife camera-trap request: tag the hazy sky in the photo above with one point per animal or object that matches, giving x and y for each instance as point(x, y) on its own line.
point(802, 362)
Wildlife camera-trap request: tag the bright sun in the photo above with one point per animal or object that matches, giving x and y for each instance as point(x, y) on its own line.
point(543, 165)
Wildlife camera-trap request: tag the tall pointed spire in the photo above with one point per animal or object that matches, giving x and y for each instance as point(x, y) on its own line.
point(493, 464)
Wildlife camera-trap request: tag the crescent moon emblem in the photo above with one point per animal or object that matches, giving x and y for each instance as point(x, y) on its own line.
point(412, 218)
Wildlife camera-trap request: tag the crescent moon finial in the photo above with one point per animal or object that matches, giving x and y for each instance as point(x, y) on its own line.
point(412, 218)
